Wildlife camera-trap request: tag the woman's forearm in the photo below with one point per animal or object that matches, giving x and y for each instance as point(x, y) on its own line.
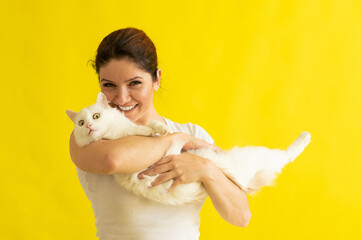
point(134, 153)
point(230, 201)
point(124, 155)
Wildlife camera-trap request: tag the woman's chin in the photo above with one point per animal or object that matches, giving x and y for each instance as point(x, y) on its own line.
point(131, 115)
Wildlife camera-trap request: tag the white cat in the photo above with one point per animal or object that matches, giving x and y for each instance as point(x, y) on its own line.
point(249, 167)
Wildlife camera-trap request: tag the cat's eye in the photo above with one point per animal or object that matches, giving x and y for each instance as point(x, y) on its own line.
point(96, 115)
point(81, 123)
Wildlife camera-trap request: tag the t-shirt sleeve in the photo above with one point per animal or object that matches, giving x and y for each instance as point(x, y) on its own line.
point(199, 132)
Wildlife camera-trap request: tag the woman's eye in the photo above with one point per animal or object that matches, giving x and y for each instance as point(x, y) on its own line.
point(96, 116)
point(108, 84)
point(135, 83)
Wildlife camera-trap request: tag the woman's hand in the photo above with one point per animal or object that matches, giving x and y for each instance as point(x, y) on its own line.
point(182, 168)
point(193, 142)
point(185, 167)
point(230, 201)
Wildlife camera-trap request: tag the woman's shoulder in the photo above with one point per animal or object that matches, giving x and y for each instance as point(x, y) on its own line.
point(189, 128)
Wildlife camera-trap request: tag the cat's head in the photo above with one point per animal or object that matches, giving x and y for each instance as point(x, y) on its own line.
point(91, 123)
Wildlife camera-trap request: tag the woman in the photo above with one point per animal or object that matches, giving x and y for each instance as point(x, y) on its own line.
point(126, 63)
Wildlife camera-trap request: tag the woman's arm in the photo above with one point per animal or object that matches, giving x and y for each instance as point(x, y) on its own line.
point(124, 155)
point(128, 154)
point(229, 200)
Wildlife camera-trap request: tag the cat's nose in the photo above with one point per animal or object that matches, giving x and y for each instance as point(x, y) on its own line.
point(88, 125)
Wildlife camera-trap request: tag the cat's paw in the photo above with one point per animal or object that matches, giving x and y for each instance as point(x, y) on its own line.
point(306, 137)
point(141, 130)
point(150, 132)
point(159, 127)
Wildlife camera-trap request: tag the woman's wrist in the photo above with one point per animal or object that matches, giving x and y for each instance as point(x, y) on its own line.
point(177, 137)
point(209, 171)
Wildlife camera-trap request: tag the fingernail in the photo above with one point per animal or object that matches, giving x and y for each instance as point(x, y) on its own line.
point(140, 175)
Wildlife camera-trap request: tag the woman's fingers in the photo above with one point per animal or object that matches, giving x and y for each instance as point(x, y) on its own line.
point(217, 149)
point(182, 168)
point(164, 160)
point(196, 143)
point(175, 183)
point(159, 167)
point(164, 178)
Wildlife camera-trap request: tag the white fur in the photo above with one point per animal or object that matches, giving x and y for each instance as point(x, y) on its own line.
point(249, 167)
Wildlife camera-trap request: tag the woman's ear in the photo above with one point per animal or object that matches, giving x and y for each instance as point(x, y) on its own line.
point(156, 84)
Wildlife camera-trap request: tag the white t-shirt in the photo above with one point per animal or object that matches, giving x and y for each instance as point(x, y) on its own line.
point(122, 215)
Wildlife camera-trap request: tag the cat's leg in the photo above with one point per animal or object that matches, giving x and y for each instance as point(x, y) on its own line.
point(298, 145)
point(261, 178)
point(158, 127)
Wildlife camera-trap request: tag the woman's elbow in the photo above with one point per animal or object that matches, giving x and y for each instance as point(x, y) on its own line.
point(245, 219)
point(111, 164)
point(242, 220)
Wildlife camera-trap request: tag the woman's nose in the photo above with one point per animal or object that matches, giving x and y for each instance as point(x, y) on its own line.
point(123, 96)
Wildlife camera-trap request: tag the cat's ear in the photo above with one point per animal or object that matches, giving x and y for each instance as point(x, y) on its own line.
point(71, 114)
point(102, 100)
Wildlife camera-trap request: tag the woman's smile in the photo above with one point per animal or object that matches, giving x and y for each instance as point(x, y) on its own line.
point(126, 109)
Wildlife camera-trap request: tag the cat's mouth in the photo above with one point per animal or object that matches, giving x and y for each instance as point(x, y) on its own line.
point(90, 131)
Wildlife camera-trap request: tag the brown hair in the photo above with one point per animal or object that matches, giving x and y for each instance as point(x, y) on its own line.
point(129, 43)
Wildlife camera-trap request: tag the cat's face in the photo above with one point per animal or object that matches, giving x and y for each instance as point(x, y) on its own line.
point(90, 124)
point(129, 89)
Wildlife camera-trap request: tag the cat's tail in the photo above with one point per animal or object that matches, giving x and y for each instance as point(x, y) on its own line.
point(298, 145)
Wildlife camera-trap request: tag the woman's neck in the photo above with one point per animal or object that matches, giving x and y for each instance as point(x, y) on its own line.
point(152, 115)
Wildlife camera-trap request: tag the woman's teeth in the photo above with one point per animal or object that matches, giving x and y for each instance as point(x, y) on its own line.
point(127, 108)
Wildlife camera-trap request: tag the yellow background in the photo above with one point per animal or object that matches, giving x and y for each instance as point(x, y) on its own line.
point(249, 72)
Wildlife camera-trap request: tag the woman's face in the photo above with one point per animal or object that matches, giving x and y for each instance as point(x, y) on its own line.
point(129, 89)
